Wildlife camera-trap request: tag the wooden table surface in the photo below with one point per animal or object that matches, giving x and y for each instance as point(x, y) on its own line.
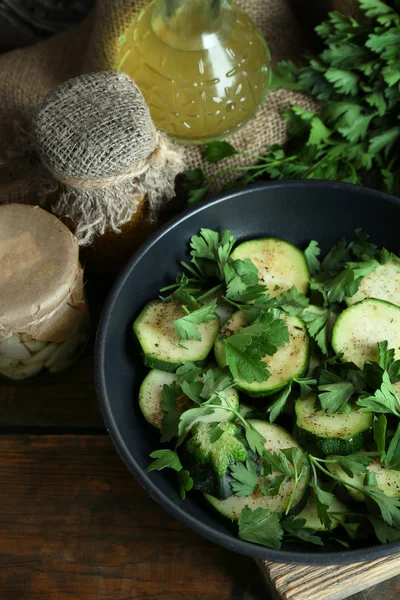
point(75, 525)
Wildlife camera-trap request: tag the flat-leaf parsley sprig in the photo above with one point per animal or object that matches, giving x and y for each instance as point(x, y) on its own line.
point(354, 134)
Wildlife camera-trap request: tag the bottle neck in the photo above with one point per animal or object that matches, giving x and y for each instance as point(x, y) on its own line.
point(191, 18)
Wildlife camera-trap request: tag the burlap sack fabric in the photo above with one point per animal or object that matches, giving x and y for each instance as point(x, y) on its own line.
point(28, 74)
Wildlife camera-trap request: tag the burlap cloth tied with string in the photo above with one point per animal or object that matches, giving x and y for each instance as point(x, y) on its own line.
point(28, 74)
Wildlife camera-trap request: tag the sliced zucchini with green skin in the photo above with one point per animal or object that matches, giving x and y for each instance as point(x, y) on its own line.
point(360, 327)
point(290, 361)
point(279, 263)
point(310, 514)
point(337, 433)
point(314, 361)
point(276, 438)
point(388, 480)
point(150, 400)
point(155, 330)
point(224, 311)
point(383, 283)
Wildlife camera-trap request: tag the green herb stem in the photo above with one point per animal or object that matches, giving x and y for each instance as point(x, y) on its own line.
point(213, 290)
point(295, 482)
point(315, 461)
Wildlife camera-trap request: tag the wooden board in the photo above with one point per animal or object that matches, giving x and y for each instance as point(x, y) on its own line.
point(75, 525)
point(333, 582)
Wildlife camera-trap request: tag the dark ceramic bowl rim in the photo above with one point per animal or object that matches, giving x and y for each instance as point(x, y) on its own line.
point(225, 540)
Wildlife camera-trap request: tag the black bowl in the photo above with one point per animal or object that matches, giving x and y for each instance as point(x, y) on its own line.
point(296, 211)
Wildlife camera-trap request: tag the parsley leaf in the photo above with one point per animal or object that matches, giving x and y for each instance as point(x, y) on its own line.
point(168, 459)
point(279, 404)
point(294, 302)
point(294, 528)
point(210, 252)
point(392, 460)
point(164, 459)
point(218, 150)
point(379, 427)
point(192, 389)
point(335, 396)
point(185, 482)
point(246, 478)
point(383, 532)
point(311, 253)
point(291, 462)
point(170, 421)
point(246, 349)
point(388, 506)
point(255, 440)
point(272, 487)
point(355, 464)
point(241, 277)
point(323, 500)
point(306, 385)
point(215, 381)
point(190, 417)
point(360, 246)
point(387, 360)
point(260, 526)
point(363, 268)
point(337, 257)
point(276, 461)
point(351, 529)
point(384, 400)
point(317, 327)
point(186, 327)
point(188, 372)
point(316, 318)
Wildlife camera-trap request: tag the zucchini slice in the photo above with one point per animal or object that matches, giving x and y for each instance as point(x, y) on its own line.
point(383, 283)
point(155, 331)
point(150, 400)
point(223, 310)
point(310, 514)
point(290, 361)
point(388, 480)
point(279, 263)
point(276, 438)
point(360, 327)
point(327, 433)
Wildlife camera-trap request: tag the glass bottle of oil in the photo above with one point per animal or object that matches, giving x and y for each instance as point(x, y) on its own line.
point(202, 66)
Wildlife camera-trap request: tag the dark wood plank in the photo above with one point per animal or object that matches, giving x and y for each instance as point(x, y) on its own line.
point(58, 402)
point(62, 402)
point(76, 526)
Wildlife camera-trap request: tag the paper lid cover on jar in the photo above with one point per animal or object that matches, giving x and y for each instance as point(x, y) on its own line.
point(41, 280)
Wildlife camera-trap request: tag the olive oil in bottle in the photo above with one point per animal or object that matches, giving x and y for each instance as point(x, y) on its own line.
point(202, 66)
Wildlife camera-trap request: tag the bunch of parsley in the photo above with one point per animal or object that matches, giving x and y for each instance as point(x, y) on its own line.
point(354, 136)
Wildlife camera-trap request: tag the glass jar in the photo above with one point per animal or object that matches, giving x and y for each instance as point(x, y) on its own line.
point(43, 313)
point(202, 66)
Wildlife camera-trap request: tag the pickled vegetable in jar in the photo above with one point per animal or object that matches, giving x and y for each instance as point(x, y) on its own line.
point(43, 313)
